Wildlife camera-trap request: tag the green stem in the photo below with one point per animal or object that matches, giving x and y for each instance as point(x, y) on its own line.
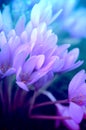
point(32, 101)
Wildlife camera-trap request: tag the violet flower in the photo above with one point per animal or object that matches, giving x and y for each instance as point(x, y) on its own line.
point(42, 42)
point(75, 23)
point(77, 94)
point(77, 90)
point(33, 69)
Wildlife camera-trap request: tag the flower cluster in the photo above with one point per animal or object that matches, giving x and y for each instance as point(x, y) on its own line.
point(30, 52)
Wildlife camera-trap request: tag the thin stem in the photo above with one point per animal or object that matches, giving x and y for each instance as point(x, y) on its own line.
point(49, 117)
point(50, 103)
point(46, 86)
point(32, 101)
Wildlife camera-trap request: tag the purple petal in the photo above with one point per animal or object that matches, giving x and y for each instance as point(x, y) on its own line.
point(80, 95)
point(14, 42)
point(9, 72)
point(22, 85)
point(35, 12)
point(18, 74)
point(71, 124)
point(5, 57)
point(46, 14)
point(29, 65)
point(3, 39)
point(24, 37)
point(28, 29)
point(42, 28)
point(1, 73)
point(19, 60)
point(12, 33)
point(76, 112)
point(40, 61)
point(20, 25)
point(73, 86)
point(40, 73)
point(71, 57)
point(64, 111)
point(58, 65)
point(73, 66)
point(34, 35)
point(61, 49)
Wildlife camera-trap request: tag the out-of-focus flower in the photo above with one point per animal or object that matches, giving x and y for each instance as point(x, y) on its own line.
point(75, 23)
point(6, 23)
point(71, 19)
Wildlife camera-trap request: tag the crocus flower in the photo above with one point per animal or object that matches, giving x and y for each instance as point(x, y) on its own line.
point(77, 90)
point(32, 69)
point(42, 42)
point(69, 58)
point(77, 96)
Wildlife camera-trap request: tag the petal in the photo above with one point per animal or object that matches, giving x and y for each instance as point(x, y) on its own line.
point(58, 65)
point(24, 37)
point(80, 95)
point(5, 57)
point(55, 16)
point(46, 14)
point(42, 28)
point(9, 72)
point(73, 66)
point(71, 57)
point(76, 112)
point(40, 73)
point(14, 42)
point(3, 39)
point(12, 33)
point(6, 16)
point(35, 12)
point(18, 74)
point(40, 61)
point(22, 85)
point(73, 86)
point(71, 124)
point(19, 60)
point(61, 49)
point(20, 25)
point(1, 73)
point(34, 35)
point(29, 65)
